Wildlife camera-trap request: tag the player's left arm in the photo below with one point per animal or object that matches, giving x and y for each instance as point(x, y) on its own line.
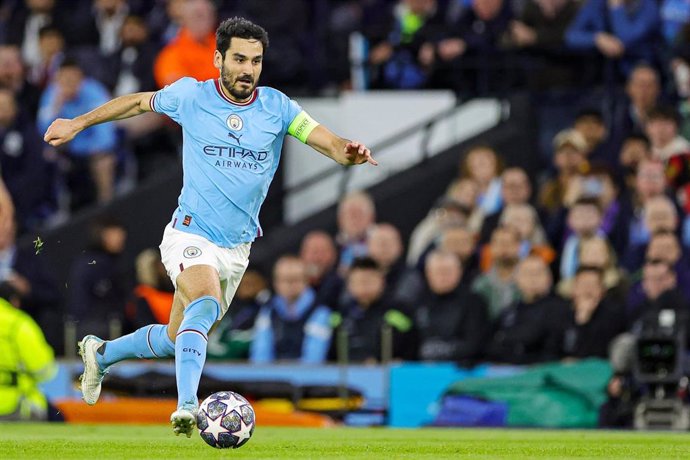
point(305, 129)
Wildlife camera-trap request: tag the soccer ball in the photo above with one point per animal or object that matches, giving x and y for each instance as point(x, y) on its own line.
point(225, 420)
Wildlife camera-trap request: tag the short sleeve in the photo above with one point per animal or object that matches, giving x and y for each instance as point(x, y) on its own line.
point(290, 111)
point(168, 100)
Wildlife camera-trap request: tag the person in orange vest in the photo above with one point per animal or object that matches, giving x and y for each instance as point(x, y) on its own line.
point(187, 55)
point(153, 297)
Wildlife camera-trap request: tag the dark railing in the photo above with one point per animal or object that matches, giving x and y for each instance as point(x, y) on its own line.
point(425, 127)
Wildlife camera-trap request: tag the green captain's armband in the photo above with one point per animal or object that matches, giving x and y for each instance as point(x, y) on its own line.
point(302, 126)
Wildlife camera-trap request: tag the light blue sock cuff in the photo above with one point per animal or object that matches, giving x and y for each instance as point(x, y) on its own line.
point(159, 342)
point(200, 315)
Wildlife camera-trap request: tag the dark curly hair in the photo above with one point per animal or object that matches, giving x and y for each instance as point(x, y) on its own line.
point(239, 28)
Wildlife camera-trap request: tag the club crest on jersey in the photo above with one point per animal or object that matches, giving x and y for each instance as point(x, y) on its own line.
point(234, 122)
point(191, 252)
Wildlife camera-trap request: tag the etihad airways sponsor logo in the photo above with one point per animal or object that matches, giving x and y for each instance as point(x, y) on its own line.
point(225, 151)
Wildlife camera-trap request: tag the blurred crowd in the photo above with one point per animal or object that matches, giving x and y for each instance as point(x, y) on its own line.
point(59, 58)
point(507, 267)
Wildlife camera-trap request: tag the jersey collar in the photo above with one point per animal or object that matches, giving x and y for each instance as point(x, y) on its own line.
point(255, 94)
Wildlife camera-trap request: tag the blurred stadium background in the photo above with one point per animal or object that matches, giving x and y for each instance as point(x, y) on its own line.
point(519, 257)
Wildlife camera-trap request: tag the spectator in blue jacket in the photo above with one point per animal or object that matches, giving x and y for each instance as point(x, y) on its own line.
point(619, 29)
point(92, 151)
point(293, 325)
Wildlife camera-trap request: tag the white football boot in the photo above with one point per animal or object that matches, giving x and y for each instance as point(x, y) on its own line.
point(183, 420)
point(93, 374)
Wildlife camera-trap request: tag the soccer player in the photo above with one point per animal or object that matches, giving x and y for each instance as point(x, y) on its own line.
point(233, 133)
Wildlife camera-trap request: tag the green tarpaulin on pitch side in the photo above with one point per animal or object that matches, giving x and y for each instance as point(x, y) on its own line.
point(560, 395)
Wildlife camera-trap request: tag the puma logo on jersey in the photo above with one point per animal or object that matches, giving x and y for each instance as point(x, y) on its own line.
point(236, 137)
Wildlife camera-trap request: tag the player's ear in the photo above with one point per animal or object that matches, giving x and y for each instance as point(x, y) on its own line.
point(217, 60)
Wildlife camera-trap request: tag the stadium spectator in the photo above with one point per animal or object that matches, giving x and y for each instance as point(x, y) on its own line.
point(13, 77)
point(97, 285)
point(661, 129)
point(28, 176)
point(187, 55)
point(650, 182)
point(165, 20)
point(643, 90)
point(598, 185)
point(590, 123)
point(26, 361)
point(26, 21)
point(482, 164)
point(91, 152)
point(461, 242)
point(524, 220)
point(292, 325)
point(233, 335)
point(356, 215)
point(624, 32)
point(393, 54)
point(635, 148)
point(594, 320)
point(129, 64)
point(664, 247)
point(403, 284)
point(540, 29)
point(447, 213)
point(515, 189)
point(584, 222)
point(365, 315)
point(129, 70)
point(497, 286)
point(530, 330)
point(660, 292)
point(108, 18)
point(598, 253)
point(465, 191)
point(468, 58)
point(570, 158)
point(319, 254)
point(451, 322)
point(658, 215)
point(152, 298)
point(292, 38)
point(51, 46)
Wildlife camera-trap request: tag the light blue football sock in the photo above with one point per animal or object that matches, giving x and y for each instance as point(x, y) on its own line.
point(190, 347)
point(150, 341)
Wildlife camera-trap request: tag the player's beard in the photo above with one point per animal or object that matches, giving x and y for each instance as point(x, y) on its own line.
point(229, 84)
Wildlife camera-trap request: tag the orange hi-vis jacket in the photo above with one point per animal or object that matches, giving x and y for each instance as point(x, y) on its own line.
point(186, 57)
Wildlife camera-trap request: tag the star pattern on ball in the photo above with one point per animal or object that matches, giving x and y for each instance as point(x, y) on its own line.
point(245, 432)
point(233, 402)
point(214, 427)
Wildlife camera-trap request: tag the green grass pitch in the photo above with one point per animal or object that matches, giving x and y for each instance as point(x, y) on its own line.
point(100, 442)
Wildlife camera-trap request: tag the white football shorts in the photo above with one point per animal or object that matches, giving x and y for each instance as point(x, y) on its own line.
point(181, 250)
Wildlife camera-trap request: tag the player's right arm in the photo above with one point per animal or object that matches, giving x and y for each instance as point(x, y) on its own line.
point(63, 130)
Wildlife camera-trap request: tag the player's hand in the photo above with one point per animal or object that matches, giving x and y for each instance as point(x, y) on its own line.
point(358, 153)
point(61, 131)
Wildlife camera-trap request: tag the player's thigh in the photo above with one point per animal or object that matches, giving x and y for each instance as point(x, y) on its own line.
point(194, 282)
point(234, 262)
point(193, 264)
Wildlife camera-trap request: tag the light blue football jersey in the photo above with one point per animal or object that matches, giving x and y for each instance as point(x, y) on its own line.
point(229, 156)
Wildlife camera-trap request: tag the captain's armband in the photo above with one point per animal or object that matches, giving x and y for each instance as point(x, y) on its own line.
point(302, 126)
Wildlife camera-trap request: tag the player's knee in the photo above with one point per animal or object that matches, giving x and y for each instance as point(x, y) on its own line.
point(201, 313)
